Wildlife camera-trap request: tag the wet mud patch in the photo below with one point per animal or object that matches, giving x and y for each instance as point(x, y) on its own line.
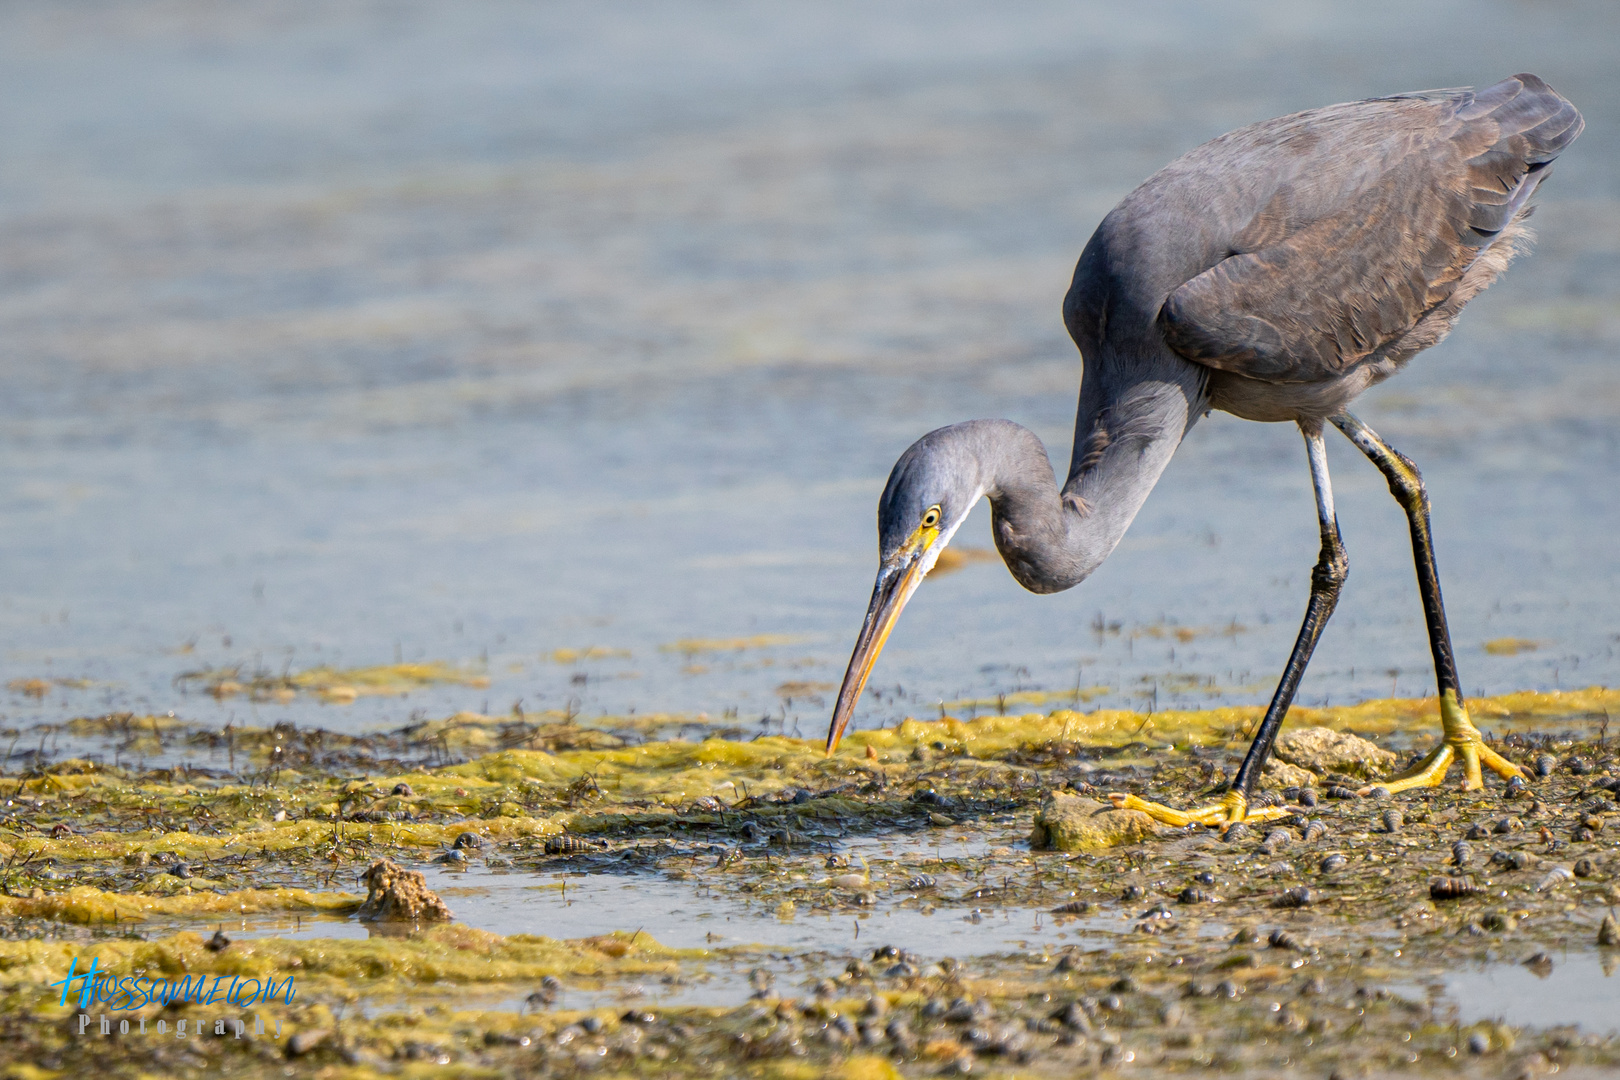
point(657, 906)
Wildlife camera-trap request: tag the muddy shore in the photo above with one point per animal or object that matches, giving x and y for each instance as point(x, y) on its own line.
point(1330, 942)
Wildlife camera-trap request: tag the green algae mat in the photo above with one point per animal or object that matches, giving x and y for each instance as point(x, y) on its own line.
point(210, 915)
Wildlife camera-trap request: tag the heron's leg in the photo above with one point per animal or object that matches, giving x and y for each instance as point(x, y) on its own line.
point(1461, 740)
point(1327, 579)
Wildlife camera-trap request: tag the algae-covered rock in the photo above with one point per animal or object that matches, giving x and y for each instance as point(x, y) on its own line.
point(394, 893)
point(1072, 823)
point(1281, 774)
point(1324, 751)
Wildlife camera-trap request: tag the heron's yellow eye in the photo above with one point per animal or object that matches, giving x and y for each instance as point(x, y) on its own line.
point(930, 517)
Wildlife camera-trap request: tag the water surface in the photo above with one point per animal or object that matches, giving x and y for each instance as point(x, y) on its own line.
point(336, 335)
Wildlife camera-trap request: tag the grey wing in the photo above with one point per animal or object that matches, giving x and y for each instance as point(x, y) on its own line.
point(1433, 188)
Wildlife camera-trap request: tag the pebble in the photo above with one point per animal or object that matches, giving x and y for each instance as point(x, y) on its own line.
point(1584, 868)
point(1609, 932)
point(1452, 888)
point(555, 845)
point(305, 1041)
point(1555, 877)
point(1073, 1017)
point(1282, 939)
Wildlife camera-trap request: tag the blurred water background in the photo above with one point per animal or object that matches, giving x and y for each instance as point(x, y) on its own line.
point(543, 338)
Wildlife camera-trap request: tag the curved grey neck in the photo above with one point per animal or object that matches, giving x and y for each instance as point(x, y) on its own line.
point(1133, 414)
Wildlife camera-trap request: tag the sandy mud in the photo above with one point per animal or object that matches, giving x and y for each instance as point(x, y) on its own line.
point(947, 896)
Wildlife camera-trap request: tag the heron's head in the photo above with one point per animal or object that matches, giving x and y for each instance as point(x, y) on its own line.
point(930, 492)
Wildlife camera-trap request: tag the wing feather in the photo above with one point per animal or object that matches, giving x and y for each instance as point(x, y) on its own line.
point(1430, 183)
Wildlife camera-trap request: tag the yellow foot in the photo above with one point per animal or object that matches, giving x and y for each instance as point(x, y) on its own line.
point(1232, 808)
point(1461, 741)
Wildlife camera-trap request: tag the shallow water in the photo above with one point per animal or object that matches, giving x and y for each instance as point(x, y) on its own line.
point(1577, 991)
point(1581, 990)
point(573, 343)
point(335, 337)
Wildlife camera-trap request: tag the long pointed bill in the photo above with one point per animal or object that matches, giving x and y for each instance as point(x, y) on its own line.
point(894, 587)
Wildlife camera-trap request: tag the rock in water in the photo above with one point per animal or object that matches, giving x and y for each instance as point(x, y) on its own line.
point(393, 893)
point(1323, 751)
point(1609, 932)
point(1073, 823)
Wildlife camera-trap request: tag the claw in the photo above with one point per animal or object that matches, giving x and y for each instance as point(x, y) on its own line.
point(1232, 808)
point(1461, 741)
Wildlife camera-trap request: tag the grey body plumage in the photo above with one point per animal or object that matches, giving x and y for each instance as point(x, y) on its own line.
point(1275, 273)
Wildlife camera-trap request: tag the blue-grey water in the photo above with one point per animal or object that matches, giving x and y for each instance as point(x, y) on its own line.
point(331, 334)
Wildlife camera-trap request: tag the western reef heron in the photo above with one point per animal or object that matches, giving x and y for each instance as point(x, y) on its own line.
point(1274, 273)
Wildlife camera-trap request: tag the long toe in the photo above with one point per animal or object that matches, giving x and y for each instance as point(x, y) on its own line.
point(1232, 809)
point(1498, 764)
point(1429, 772)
